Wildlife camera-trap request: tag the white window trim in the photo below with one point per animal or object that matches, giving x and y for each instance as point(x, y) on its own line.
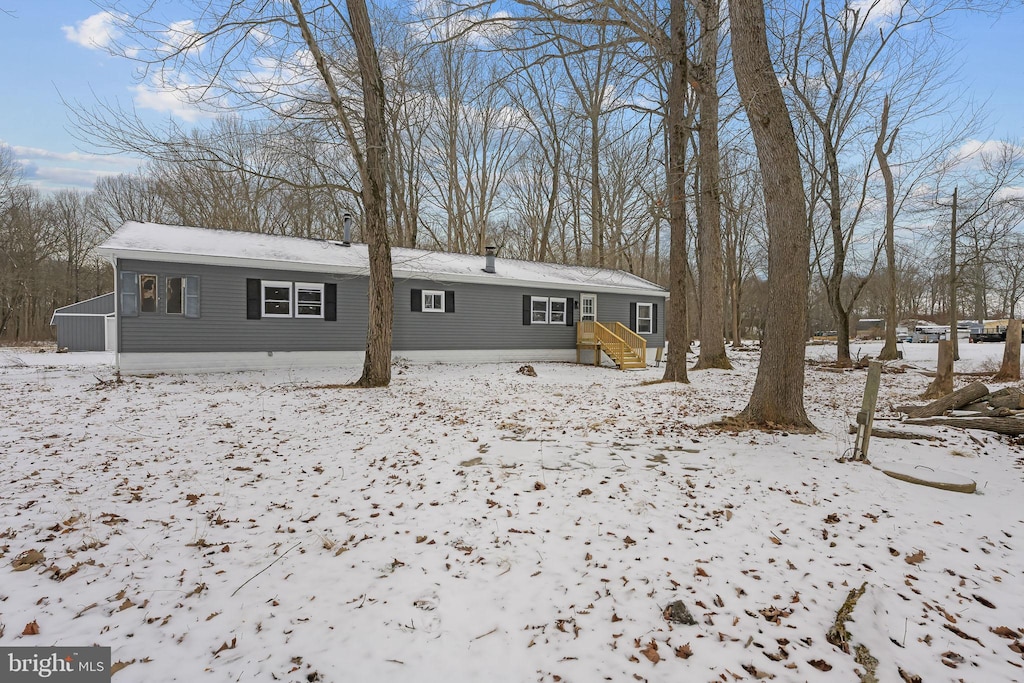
point(264, 284)
point(533, 311)
point(551, 310)
point(309, 286)
point(426, 295)
point(649, 318)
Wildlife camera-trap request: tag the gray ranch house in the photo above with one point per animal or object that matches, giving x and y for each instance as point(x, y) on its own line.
point(195, 299)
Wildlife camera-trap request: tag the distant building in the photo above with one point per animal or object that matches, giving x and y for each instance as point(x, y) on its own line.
point(870, 328)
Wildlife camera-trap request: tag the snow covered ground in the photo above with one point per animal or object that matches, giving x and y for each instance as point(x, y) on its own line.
point(470, 523)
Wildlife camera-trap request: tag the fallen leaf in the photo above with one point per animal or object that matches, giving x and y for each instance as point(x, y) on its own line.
point(117, 666)
point(225, 646)
point(31, 629)
point(820, 664)
point(916, 558)
point(27, 559)
point(651, 652)
point(684, 651)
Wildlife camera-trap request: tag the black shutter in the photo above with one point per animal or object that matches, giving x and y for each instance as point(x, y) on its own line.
point(569, 313)
point(252, 299)
point(654, 319)
point(632, 315)
point(416, 301)
point(449, 301)
point(330, 301)
point(526, 309)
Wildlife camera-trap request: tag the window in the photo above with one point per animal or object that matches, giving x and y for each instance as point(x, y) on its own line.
point(277, 299)
point(539, 308)
point(543, 310)
point(274, 299)
point(309, 300)
point(645, 318)
point(433, 301)
point(147, 284)
point(173, 303)
point(557, 316)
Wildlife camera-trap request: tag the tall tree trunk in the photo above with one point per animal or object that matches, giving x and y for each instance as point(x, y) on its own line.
point(778, 395)
point(883, 147)
point(372, 165)
point(709, 229)
point(377, 361)
point(677, 132)
point(952, 280)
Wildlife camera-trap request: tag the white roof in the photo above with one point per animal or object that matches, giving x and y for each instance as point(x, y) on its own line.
point(179, 244)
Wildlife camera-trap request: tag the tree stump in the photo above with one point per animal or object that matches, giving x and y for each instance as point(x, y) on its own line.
point(1010, 370)
point(943, 382)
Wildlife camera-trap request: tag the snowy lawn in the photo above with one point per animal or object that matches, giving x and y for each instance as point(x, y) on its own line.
point(470, 523)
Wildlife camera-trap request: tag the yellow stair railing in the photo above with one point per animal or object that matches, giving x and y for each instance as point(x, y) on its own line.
point(626, 348)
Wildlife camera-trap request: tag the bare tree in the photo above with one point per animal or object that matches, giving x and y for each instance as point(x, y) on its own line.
point(778, 394)
point(310, 67)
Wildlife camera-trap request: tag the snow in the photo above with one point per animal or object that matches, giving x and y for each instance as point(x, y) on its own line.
point(181, 244)
point(471, 523)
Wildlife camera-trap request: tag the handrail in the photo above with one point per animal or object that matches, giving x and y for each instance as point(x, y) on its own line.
point(635, 341)
point(592, 332)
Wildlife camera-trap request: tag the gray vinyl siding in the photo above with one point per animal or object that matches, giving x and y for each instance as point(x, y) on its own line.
point(81, 326)
point(491, 317)
point(485, 316)
point(222, 325)
point(80, 333)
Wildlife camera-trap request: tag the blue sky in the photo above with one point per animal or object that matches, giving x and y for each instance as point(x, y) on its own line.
point(48, 53)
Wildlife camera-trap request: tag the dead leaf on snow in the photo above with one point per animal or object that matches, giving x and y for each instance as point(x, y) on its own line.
point(757, 673)
point(27, 559)
point(916, 558)
point(651, 652)
point(31, 629)
point(225, 646)
point(820, 664)
point(684, 651)
point(117, 666)
point(1005, 632)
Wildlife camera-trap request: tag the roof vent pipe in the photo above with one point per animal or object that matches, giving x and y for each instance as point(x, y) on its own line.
point(489, 264)
point(346, 227)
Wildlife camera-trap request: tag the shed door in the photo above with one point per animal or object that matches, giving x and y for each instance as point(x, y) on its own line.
point(588, 307)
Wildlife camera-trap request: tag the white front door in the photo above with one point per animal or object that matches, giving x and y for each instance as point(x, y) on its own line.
point(588, 307)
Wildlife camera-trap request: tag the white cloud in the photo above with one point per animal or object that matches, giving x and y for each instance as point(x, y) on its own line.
point(978, 153)
point(163, 95)
point(98, 32)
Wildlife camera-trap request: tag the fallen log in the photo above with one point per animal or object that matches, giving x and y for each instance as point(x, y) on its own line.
point(959, 398)
point(1008, 397)
point(882, 433)
point(1000, 425)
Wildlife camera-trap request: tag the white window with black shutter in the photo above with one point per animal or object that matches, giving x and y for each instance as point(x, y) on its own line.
point(276, 299)
point(547, 310)
point(432, 301)
point(643, 317)
point(309, 300)
point(280, 299)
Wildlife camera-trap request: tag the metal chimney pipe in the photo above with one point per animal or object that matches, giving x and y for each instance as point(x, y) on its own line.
point(346, 226)
point(489, 263)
